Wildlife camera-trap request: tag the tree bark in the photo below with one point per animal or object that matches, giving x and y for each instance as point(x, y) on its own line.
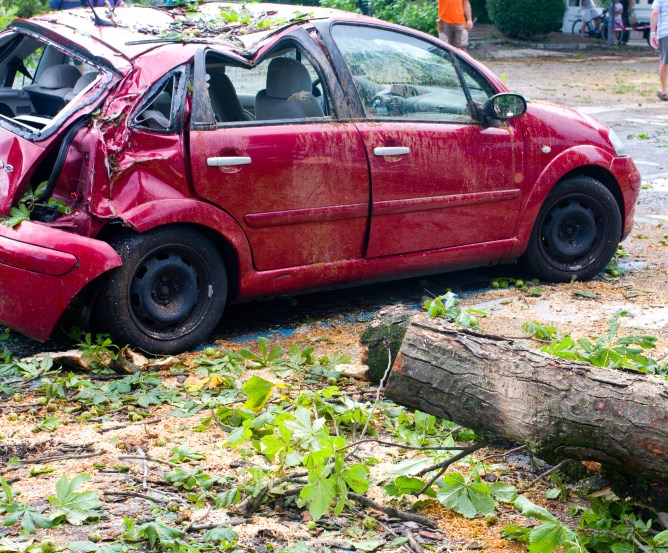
point(560, 409)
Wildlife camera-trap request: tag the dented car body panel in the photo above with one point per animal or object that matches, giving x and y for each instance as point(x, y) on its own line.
point(155, 174)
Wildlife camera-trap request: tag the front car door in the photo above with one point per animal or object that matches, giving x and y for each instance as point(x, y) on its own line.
point(277, 158)
point(440, 178)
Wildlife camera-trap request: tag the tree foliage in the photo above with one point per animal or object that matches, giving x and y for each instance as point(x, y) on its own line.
point(420, 15)
point(526, 18)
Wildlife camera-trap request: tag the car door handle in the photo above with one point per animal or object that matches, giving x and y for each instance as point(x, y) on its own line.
point(227, 161)
point(391, 151)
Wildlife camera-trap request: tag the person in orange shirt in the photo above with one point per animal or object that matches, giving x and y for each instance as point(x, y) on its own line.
point(455, 22)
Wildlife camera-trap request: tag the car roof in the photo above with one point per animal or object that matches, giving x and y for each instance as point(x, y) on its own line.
point(139, 29)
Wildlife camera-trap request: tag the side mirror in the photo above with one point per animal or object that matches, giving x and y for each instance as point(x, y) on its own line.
point(504, 106)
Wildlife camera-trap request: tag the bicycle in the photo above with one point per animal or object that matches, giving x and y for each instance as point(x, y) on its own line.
point(596, 27)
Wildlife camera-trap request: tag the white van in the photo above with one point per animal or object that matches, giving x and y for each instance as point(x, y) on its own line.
point(642, 10)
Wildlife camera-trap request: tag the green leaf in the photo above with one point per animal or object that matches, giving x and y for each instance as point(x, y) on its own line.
point(622, 547)
point(72, 506)
point(306, 432)
point(549, 536)
point(159, 533)
point(319, 494)
point(505, 493)
point(404, 485)
point(411, 466)
point(220, 533)
point(356, 477)
point(258, 391)
point(661, 538)
point(530, 509)
point(465, 497)
point(27, 516)
point(367, 545)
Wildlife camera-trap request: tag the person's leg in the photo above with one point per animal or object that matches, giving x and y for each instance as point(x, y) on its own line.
point(663, 66)
point(457, 35)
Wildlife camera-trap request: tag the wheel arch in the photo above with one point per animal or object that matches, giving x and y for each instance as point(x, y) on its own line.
point(216, 224)
point(564, 167)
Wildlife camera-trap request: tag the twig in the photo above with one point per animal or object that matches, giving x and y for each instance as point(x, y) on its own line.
point(64, 457)
point(137, 494)
point(546, 473)
point(445, 464)
point(389, 530)
point(379, 390)
point(252, 503)
point(392, 511)
point(119, 426)
point(198, 519)
point(402, 446)
point(504, 454)
point(149, 458)
point(144, 466)
point(412, 542)
point(211, 525)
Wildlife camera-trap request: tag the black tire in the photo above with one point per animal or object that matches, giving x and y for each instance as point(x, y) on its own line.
point(168, 295)
point(577, 27)
point(576, 233)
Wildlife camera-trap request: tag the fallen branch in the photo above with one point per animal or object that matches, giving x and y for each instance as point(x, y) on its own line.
point(392, 511)
point(445, 464)
point(64, 457)
point(119, 426)
point(149, 458)
point(137, 494)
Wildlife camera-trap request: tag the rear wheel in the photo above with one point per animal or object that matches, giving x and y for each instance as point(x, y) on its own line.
point(576, 232)
point(577, 27)
point(168, 295)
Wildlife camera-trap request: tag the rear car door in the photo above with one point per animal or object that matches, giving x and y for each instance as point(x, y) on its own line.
point(440, 178)
point(267, 147)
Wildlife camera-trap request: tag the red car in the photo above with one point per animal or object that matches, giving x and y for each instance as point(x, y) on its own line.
point(156, 164)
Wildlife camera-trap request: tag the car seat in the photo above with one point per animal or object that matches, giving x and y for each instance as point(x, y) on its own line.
point(288, 92)
point(224, 100)
point(48, 95)
point(82, 82)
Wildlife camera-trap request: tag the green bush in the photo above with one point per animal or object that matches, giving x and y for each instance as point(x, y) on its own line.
point(526, 18)
point(28, 8)
point(479, 9)
point(416, 14)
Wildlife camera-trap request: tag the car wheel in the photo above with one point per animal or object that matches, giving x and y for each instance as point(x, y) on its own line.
point(168, 295)
point(576, 232)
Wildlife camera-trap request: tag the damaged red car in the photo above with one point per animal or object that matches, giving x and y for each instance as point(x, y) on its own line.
point(157, 164)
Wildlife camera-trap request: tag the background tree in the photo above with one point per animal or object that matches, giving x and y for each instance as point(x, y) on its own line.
point(526, 18)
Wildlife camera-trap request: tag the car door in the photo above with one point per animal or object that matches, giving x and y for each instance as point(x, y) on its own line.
point(292, 175)
point(440, 178)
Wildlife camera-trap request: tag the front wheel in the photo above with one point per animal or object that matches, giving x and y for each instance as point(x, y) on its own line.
point(576, 232)
point(577, 27)
point(168, 295)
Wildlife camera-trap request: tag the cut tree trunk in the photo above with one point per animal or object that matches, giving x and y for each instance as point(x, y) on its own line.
point(560, 409)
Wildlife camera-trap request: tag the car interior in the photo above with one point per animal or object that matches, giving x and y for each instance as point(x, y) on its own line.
point(38, 81)
point(284, 86)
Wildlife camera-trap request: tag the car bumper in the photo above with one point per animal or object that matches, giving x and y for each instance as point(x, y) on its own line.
point(41, 270)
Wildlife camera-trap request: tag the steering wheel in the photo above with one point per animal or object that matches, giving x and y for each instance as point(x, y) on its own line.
point(395, 105)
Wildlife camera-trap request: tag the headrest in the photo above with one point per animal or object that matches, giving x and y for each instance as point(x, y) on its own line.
point(59, 76)
point(84, 81)
point(285, 76)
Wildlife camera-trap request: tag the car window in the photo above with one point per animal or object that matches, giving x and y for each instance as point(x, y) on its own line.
point(400, 76)
point(163, 101)
point(283, 86)
point(37, 82)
